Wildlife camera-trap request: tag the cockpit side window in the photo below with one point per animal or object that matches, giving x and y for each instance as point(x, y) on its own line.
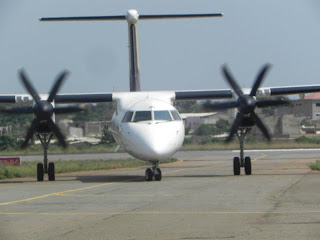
point(127, 117)
point(175, 115)
point(142, 116)
point(162, 115)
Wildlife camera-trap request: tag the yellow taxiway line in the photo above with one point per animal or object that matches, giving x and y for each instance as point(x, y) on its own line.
point(55, 194)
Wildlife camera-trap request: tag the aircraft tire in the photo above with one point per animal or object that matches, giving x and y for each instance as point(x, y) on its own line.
point(247, 165)
point(236, 166)
point(40, 172)
point(149, 175)
point(158, 176)
point(51, 172)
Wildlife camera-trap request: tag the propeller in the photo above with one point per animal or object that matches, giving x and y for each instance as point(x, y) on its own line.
point(246, 103)
point(43, 110)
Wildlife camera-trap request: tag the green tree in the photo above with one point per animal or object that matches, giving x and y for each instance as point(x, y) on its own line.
point(222, 126)
point(187, 106)
point(206, 129)
point(95, 112)
point(107, 137)
point(9, 141)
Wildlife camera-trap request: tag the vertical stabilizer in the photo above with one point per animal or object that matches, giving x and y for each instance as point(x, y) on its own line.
point(134, 72)
point(132, 18)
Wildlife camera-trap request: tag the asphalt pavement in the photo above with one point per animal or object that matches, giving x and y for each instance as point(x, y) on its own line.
point(198, 198)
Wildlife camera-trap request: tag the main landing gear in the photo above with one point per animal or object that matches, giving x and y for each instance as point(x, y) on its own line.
point(45, 168)
point(155, 172)
point(242, 162)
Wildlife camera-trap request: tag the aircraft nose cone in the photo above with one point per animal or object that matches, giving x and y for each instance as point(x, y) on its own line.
point(155, 141)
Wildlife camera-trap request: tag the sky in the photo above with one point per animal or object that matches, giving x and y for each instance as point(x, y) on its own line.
point(184, 54)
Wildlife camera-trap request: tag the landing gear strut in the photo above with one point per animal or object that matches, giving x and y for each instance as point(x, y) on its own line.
point(155, 172)
point(242, 162)
point(44, 167)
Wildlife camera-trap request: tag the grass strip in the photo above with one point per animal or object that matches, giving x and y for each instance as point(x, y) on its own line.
point(257, 145)
point(29, 168)
point(315, 165)
point(105, 148)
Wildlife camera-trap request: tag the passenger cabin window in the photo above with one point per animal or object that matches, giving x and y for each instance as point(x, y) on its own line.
point(142, 116)
point(162, 115)
point(175, 115)
point(127, 117)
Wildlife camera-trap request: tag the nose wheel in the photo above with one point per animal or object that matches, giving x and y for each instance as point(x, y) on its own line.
point(154, 173)
point(238, 164)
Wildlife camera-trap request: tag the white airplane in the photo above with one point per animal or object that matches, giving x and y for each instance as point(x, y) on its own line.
point(145, 124)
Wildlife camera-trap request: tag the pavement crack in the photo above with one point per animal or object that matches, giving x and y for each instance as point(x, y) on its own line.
point(124, 212)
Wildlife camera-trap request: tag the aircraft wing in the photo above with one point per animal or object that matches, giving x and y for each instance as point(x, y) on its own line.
point(60, 98)
point(261, 92)
point(83, 98)
point(290, 90)
point(178, 95)
point(6, 98)
point(203, 94)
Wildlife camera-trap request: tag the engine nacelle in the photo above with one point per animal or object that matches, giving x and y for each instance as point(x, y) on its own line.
point(247, 122)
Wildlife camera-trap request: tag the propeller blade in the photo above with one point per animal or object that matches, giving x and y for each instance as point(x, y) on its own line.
point(61, 110)
point(29, 135)
point(234, 127)
point(260, 77)
point(18, 110)
point(57, 132)
point(271, 102)
point(231, 80)
point(57, 85)
point(260, 125)
point(27, 84)
point(219, 105)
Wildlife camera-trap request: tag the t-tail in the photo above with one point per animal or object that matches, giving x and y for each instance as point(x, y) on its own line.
point(132, 18)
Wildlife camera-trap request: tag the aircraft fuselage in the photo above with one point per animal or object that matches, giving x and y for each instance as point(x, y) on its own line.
point(148, 128)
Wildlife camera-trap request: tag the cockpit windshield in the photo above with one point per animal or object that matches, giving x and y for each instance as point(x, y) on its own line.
point(128, 117)
point(162, 115)
point(142, 116)
point(175, 115)
point(156, 115)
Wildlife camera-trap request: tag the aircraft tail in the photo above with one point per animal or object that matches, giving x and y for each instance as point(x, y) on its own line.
point(132, 18)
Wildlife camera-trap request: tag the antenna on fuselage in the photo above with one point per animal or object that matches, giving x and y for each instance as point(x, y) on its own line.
point(132, 18)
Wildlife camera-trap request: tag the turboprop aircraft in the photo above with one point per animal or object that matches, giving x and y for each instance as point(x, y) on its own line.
point(145, 124)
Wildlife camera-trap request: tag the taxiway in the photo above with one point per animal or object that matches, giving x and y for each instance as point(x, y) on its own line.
point(198, 198)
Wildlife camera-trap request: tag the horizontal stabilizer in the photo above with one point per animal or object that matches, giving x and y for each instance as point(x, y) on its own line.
point(124, 17)
point(88, 18)
point(166, 16)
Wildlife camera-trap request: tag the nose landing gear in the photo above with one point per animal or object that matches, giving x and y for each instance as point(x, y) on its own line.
point(44, 167)
point(242, 162)
point(155, 172)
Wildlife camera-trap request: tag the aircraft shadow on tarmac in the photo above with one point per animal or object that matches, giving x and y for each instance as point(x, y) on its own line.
point(110, 178)
point(231, 175)
point(139, 178)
